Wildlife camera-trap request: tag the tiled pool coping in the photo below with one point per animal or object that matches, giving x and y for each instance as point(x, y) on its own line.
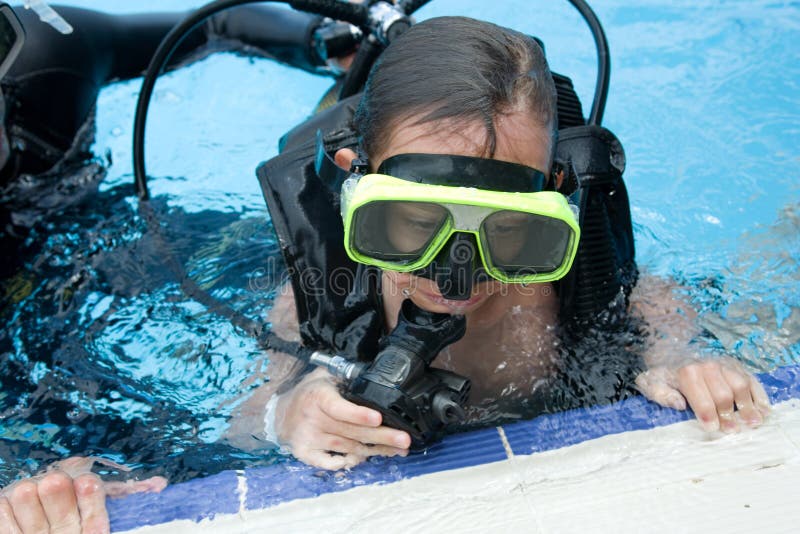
point(255, 489)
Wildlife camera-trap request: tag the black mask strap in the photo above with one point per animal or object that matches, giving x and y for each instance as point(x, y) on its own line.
point(464, 171)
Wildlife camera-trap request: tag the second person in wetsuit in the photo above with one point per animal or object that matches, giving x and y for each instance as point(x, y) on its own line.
point(51, 89)
point(49, 93)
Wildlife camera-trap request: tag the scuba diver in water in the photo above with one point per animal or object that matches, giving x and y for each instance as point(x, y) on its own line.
point(457, 203)
point(457, 206)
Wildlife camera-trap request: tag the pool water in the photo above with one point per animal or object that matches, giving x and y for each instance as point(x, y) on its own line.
point(101, 351)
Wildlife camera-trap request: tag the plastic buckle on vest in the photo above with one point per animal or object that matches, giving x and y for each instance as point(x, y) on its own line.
point(564, 172)
point(360, 165)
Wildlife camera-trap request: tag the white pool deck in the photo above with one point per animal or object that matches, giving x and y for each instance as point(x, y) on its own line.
point(673, 478)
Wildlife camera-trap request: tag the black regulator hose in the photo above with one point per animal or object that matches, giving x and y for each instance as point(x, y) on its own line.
point(358, 73)
point(603, 61)
point(379, 20)
point(356, 14)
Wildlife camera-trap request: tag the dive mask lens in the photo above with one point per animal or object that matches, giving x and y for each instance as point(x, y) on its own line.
point(397, 231)
point(523, 245)
point(12, 37)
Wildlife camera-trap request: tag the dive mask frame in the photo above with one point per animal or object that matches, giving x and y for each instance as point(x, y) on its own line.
point(468, 208)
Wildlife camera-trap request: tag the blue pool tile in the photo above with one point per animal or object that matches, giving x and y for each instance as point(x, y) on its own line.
point(782, 383)
point(554, 431)
point(195, 500)
point(268, 486)
point(288, 481)
point(455, 452)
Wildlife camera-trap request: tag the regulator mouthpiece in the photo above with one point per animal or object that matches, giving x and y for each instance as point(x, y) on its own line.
point(400, 383)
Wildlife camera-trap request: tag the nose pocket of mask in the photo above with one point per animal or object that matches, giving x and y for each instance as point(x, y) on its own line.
point(456, 265)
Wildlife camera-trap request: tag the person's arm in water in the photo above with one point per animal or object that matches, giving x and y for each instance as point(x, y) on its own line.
point(311, 418)
point(679, 378)
point(53, 85)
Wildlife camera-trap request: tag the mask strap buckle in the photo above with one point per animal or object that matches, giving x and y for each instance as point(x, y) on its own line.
point(360, 165)
point(329, 172)
point(563, 178)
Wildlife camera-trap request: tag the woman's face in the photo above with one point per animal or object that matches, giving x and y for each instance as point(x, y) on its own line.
point(520, 139)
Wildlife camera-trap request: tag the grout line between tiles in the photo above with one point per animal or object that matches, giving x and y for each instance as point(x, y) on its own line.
point(241, 491)
point(506, 444)
point(520, 481)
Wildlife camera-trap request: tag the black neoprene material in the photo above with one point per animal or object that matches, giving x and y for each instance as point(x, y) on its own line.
point(337, 300)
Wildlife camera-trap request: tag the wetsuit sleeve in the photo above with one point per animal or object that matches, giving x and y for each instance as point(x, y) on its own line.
point(129, 41)
point(52, 87)
point(267, 31)
point(275, 32)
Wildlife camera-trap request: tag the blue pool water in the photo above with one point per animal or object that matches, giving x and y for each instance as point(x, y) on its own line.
point(103, 351)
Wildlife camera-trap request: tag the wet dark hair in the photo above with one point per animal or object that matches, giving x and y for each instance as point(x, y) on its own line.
point(455, 69)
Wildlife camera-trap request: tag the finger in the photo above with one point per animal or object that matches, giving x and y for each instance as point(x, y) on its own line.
point(760, 396)
point(343, 410)
point(341, 444)
point(129, 487)
point(331, 462)
point(655, 389)
point(739, 382)
point(74, 466)
point(694, 388)
point(381, 436)
point(24, 499)
point(723, 396)
point(57, 495)
point(381, 450)
point(92, 503)
point(8, 524)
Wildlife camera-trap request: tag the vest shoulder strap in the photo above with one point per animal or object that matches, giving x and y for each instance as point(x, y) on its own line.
point(604, 272)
